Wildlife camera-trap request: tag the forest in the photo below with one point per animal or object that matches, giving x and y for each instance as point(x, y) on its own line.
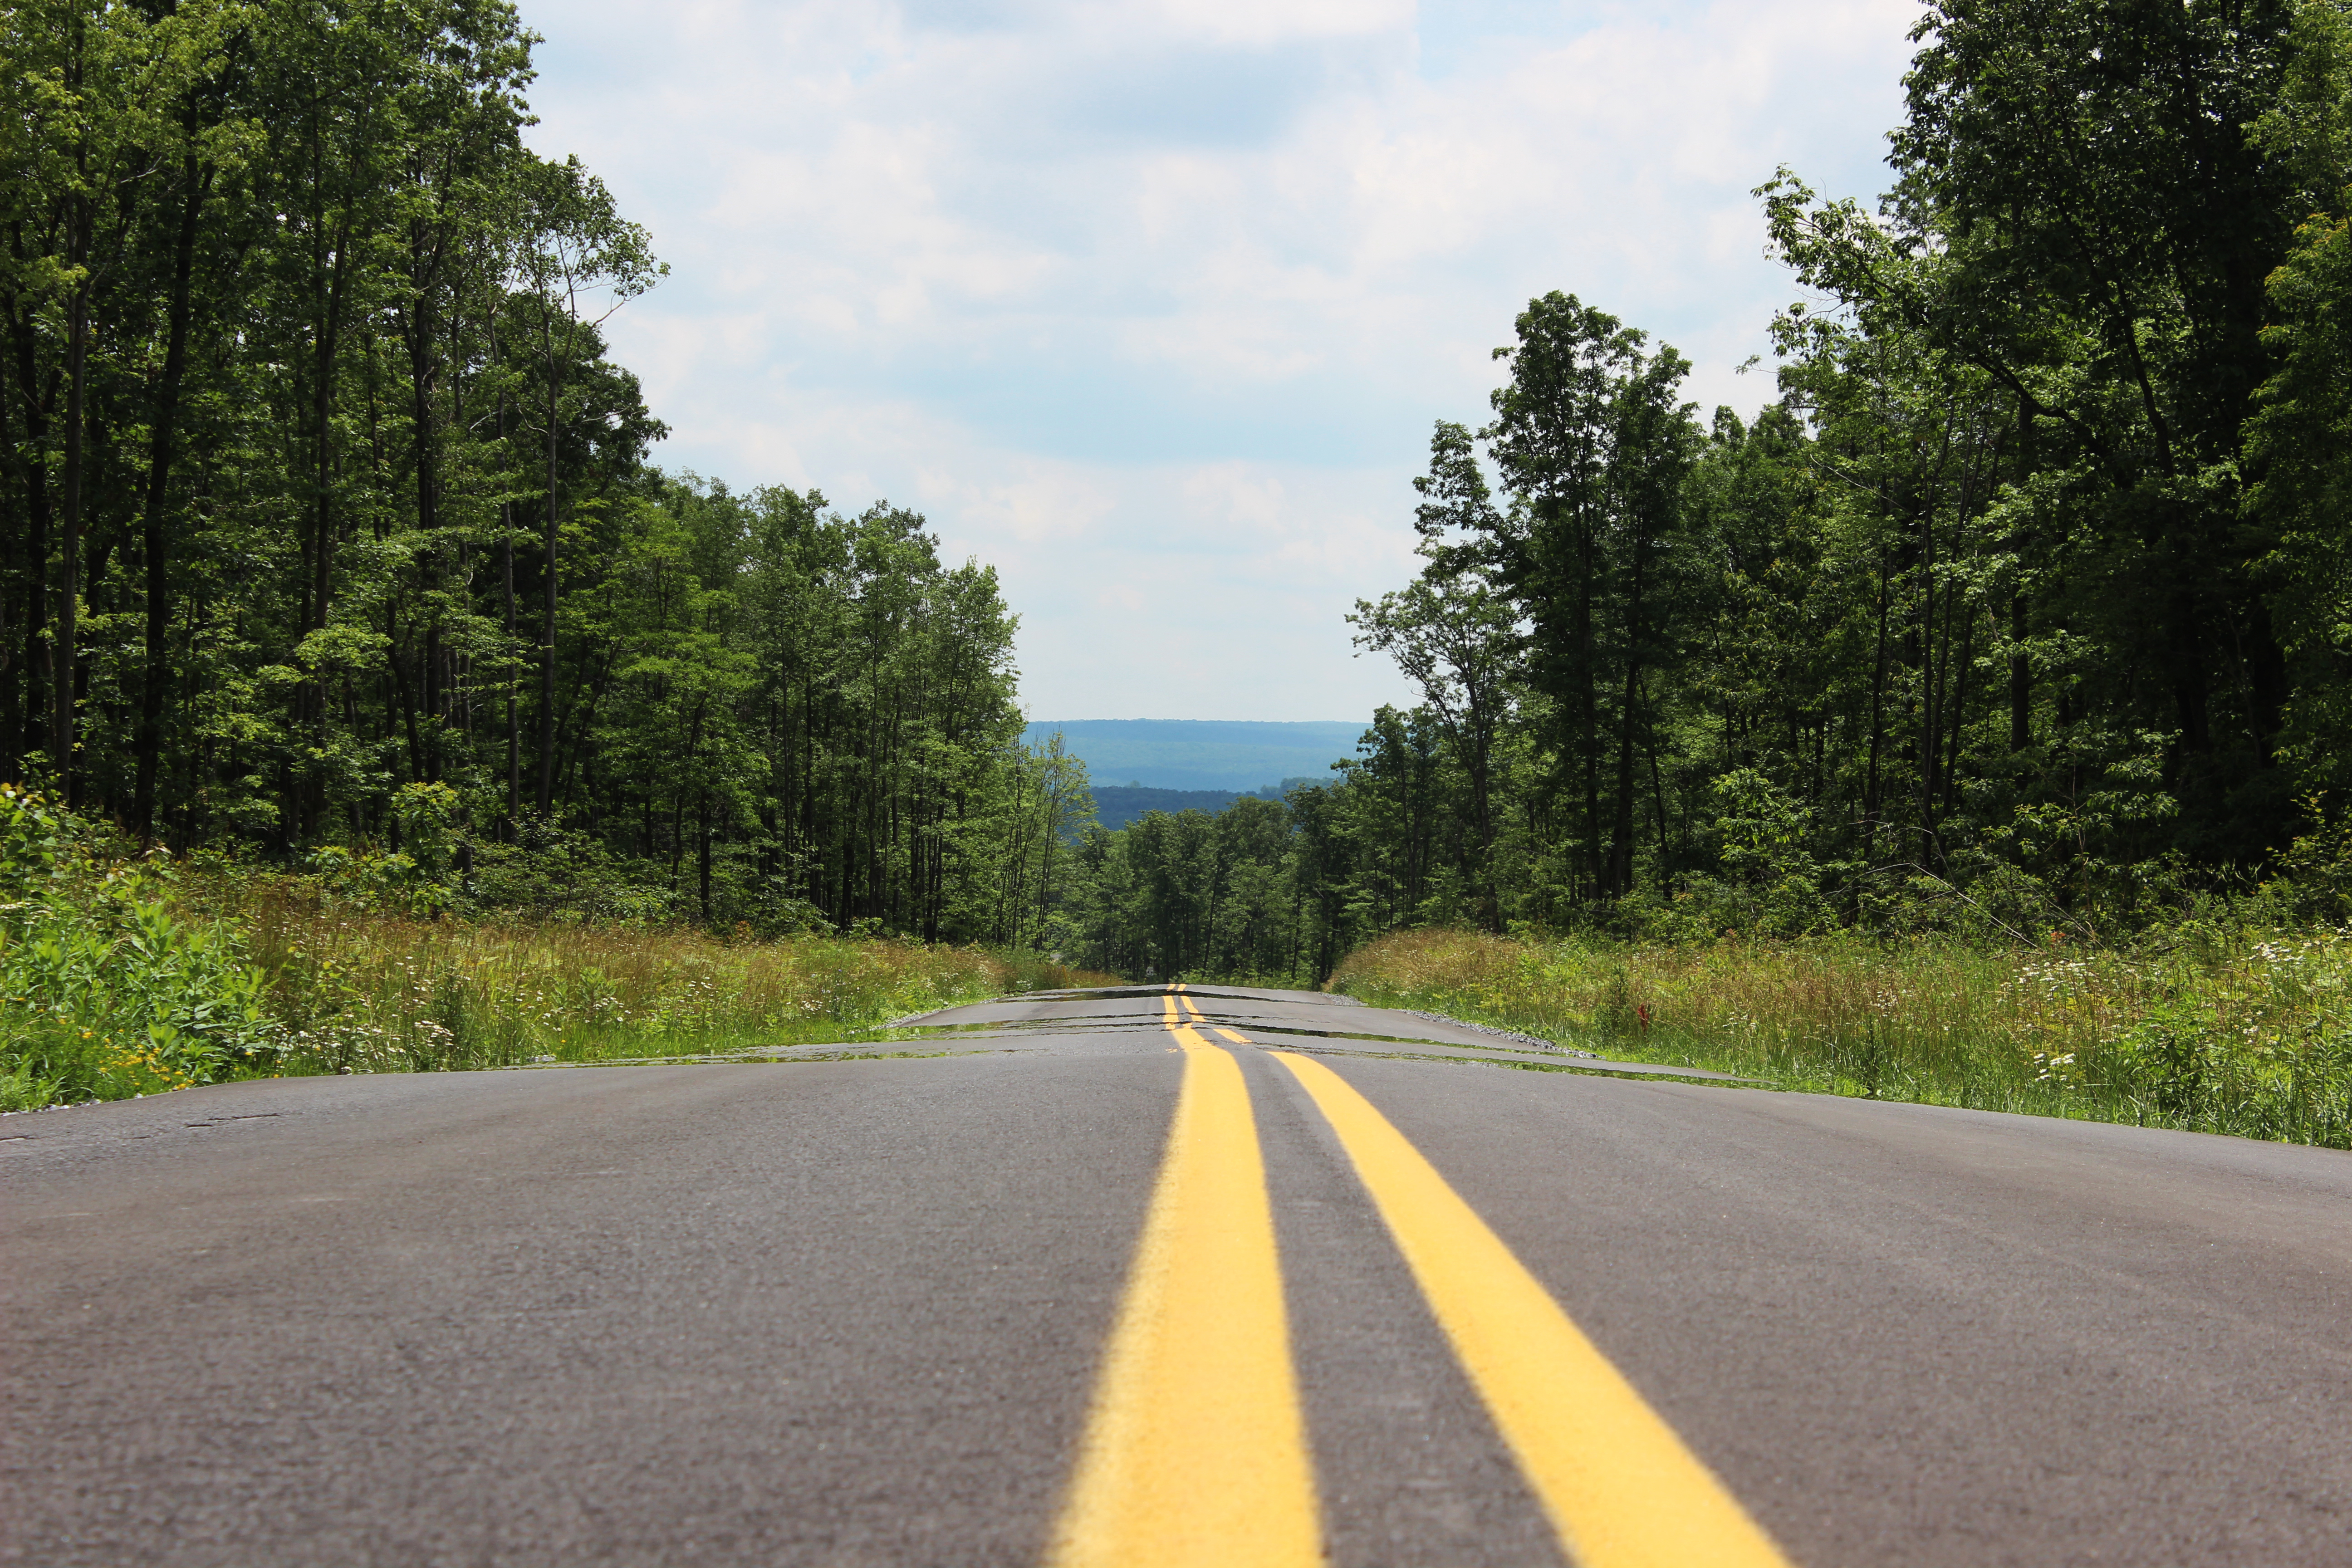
point(330, 541)
point(2018, 609)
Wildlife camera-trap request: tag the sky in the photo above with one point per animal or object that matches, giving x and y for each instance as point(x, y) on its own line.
point(1152, 306)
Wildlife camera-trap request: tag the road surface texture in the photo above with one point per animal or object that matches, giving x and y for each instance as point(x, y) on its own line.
point(1197, 1275)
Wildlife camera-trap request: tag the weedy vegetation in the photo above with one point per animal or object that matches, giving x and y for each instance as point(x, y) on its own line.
point(2208, 1028)
point(126, 975)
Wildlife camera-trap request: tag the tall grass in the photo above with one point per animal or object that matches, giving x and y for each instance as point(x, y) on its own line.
point(2247, 1033)
point(123, 976)
point(374, 993)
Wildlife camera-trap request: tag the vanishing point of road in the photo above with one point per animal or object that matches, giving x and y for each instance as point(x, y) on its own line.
point(1193, 1275)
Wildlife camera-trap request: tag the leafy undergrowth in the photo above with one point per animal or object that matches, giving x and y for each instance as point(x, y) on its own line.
point(122, 977)
point(106, 991)
point(2248, 1034)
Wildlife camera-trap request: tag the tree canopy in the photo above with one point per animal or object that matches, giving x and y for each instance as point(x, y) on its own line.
point(327, 526)
point(2022, 602)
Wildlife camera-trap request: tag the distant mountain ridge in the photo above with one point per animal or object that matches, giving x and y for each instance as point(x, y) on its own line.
point(1116, 806)
point(1231, 755)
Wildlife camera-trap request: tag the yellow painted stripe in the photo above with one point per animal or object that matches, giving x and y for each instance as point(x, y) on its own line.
point(1195, 1454)
point(1621, 1488)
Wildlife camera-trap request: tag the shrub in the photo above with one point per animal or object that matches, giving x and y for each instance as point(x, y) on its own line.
point(105, 989)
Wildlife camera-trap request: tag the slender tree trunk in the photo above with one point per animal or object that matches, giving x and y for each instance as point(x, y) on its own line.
point(2021, 676)
point(35, 469)
point(1620, 875)
point(546, 799)
point(1931, 676)
point(157, 535)
point(12, 703)
point(61, 698)
point(508, 829)
point(514, 728)
point(78, 236)
point(1620, 879)
point(1960, 710)
point(2020, 668)
point(1588, 656)
point(1870, 797)
point(1657, 789)
point(322, 553)
point(703, 823)
point(416, 333)
point(399, 667)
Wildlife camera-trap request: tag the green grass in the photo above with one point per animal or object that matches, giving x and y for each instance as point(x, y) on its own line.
point(376, 994)
point(115, 983)
point(2250, 1035)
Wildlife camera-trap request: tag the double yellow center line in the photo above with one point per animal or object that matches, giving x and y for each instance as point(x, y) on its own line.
point(1195, 1454)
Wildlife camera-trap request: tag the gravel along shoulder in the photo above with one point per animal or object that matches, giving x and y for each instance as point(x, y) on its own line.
point(1500, 1033)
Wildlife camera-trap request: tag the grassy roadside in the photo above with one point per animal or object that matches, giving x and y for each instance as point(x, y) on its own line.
point(122, 977)
point(342, 993)
point(2248, 1034)
point(377, 994)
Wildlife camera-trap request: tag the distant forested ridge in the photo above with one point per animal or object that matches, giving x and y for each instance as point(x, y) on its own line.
point(2025, 604)
point(327, 529)
point(1236, 756)
point(1116, 806)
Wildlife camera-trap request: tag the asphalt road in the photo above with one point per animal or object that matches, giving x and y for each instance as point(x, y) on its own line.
point(1005, 1304)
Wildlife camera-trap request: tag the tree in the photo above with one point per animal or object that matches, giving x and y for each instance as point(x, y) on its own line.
point(100, 94)
point(1593, 444)
point(2299, 437)
point(577, 248)
point(1457, 637)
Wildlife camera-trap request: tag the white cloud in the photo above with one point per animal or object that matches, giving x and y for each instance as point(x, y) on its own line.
point(1151, 305)
point(1275, 21)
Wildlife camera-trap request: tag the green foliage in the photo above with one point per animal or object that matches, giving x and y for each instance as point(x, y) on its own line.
point(106, 989)
point(328, 542)
point(2022, 609)
point(2233, 1032)
point(123, 974)
point(390, 992)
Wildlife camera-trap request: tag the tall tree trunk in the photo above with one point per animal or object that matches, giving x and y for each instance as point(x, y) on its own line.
point(1620, 877)
point(1870, 797)
point(1932, 658)
point(547, 608)
point(507, 585)
point(156, 541)
point(62, 698)
point(1588, 656)
point(11, 694)
point(1657, 790)
point(1959, 711)
point(2020, 668)
point(324, 348)
point(33, 468)
point(514, 728)
point(398, 664)
point(78, 236)
point(417, 334)
point(702, 816)
point(2021, 676)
